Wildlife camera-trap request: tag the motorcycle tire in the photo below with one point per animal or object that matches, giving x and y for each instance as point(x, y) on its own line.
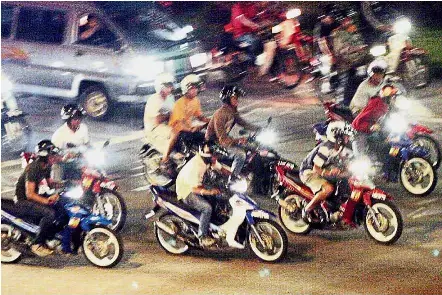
point(151, 167)
point(404, 176)
point(255, 246)
point(9, 253)
point(103, 262)
point(122, 204)
point(426, 140)
point(292, 221)
point(168, 242)
point(391, 224)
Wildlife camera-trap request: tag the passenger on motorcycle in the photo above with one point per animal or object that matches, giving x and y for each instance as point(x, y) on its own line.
point(157, 112)
point(73, 133)
point(35, 201)
point(369, 87)
point(190, 189)
point(184, 112)
point(223, 121)
point(368, 129)
point(320, 164)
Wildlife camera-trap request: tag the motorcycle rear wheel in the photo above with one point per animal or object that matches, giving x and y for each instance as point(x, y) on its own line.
point(292, 221)
point(152, 172)
point(391, 223)
point(170, 243)
point(9, 253)
point(432, 145)
point(102, 239)
point(416, 171)
point(116, 201)
point(275, 240)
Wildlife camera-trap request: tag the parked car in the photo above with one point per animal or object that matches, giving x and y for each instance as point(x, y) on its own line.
point(77, 51)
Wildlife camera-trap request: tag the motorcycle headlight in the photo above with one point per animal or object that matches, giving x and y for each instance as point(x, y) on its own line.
point(378, 50)
point(74, 193)
point(198, 60)
point(94, 158)
point(402, 103)
point(267, 137)
point(146, 67)
point(239, 186)
point(361, 168)
point(402, 26)
point(396, 123)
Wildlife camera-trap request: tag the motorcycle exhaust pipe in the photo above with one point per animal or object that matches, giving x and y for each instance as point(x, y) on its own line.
point(164, 228)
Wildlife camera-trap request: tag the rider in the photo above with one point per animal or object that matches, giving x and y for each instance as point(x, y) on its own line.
point(73, 133)
point(366, 126)
point(35, 200)
point(158, 109)
point(369, 87)
point(190, 189)
point(185, 110)
point(320, 164)
point(223, 121)
point(324, 29)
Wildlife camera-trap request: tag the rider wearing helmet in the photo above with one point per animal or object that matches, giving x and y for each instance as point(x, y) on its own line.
point(223, 121)
point(158, 109)
point(369, 87)
point(185, 110)
point(320, 164)
point(73, 132)
point(35, 200)
point(190, 188)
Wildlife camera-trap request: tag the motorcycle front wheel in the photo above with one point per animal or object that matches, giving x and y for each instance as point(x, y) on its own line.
point(114, 208)
point(418, 177)
point(170, 242)
point(275, 242)
point(292, 221)
point(9, 253)
point(103, 247)
point(152, 171)
point(389, 225)
point(433, 147)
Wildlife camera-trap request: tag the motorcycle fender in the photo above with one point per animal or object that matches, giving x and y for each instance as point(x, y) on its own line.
point(376, 194)
point(260, 214)
point(418, 129)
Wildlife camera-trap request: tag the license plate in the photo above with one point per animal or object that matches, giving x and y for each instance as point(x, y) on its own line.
point(394, 151)
point(74, 222)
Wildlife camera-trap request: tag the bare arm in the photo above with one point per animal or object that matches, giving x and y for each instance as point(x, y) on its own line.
point(32, 195)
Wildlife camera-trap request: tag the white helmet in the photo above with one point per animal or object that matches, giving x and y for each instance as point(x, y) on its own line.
point(189, 80)
point(377, 66)
point(163, 78)
point(337, 129)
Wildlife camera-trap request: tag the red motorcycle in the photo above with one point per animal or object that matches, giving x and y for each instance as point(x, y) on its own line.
point(354, 203)
point(419, 134)
point(96, 190)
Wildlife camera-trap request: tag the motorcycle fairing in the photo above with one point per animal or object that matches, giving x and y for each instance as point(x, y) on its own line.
point(20, 222)
point(418, 128)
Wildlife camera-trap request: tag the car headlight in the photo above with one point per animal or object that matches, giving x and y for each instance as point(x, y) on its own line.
point(361, 168)
point(239, 186)
point(267, 137)
point(74, 193)
point(396, 123)
point(95, 158)
point(146, 67)
point(378, 50)
point(402, 26)
point(198, 60)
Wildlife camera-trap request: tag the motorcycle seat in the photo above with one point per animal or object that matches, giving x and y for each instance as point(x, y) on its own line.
point(294, 175)
point(171, 197)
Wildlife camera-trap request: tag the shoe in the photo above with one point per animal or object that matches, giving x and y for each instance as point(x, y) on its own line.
point(235, 244)
point(207, 241)
point(41, 250)
point(306, 216)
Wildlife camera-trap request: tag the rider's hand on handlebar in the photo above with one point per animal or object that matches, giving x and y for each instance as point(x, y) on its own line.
point(214, 191)
point(52, 199)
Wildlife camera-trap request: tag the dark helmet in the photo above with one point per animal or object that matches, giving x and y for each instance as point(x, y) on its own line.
point(70, 111)
point(45, 148)
point(228, 91)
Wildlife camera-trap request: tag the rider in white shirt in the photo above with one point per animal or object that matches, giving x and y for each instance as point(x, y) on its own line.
point(157, 112)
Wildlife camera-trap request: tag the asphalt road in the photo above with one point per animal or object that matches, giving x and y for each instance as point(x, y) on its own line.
point(324, 262)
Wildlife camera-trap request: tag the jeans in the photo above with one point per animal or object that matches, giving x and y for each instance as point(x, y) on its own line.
point(198, 203)
point(254, 45)
point(239, 158)
point(43, 215)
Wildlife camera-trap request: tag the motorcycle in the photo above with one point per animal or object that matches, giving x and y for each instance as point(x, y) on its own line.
point(356, 202)
point(409, 62)
point(238, 224)
point(419, 134)
point(101, 246)
point(98, 192)
point(16, 132)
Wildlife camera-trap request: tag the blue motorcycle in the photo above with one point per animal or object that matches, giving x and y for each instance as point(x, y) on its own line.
point(100, 245)
point(235, 224)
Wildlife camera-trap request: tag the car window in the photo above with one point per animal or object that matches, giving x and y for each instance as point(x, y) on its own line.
point(40, 25)
point(7, 15)
point(94, 32)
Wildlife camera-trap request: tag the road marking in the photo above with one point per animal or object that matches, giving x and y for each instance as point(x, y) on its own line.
point(8, 191)
point(415, 212)
point(140, 189)
point(430, 212)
